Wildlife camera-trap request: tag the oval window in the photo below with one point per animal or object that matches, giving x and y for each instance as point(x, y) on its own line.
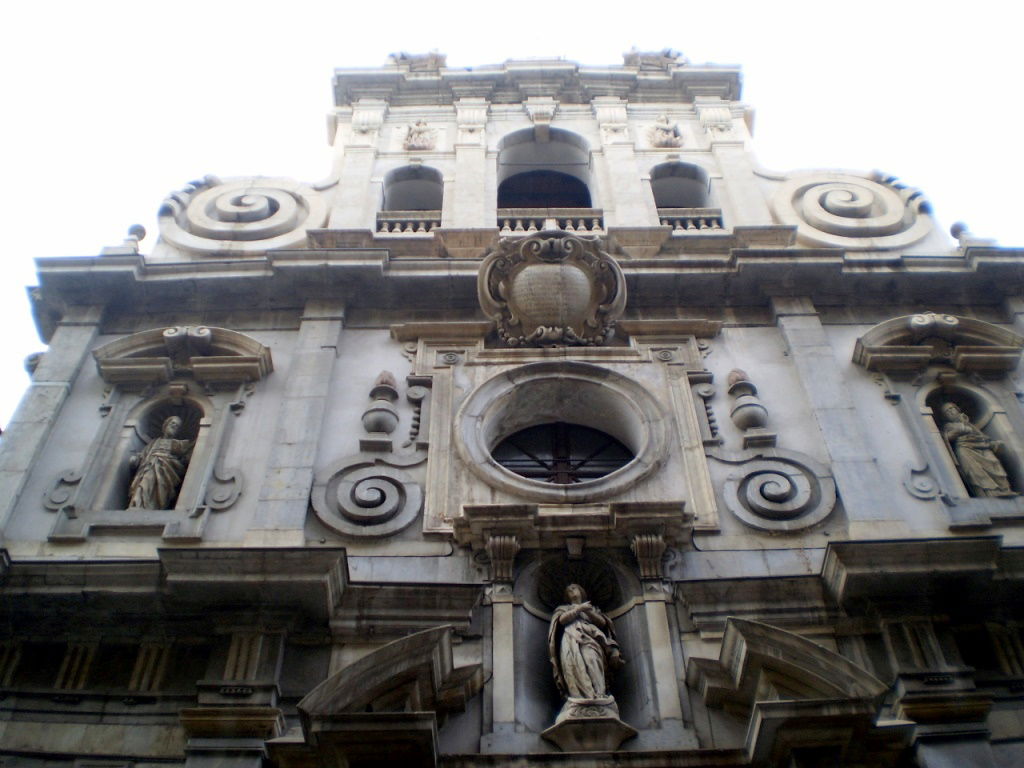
point(561, 453)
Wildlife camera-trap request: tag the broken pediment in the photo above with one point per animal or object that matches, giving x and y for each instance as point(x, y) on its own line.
point(913, 342)
point(205, 353)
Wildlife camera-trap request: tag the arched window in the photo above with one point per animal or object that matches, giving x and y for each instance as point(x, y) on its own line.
point(680, 185)
point(561, 453)
point(413, 188)
point(551, 173)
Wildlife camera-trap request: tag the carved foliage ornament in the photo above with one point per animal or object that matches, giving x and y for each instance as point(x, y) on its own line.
point(552, 289)
point(242, 216)
point(853, 212)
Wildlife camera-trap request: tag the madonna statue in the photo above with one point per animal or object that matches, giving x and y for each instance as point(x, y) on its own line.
point(159, 469)
point(583, 653)
point(582, 647)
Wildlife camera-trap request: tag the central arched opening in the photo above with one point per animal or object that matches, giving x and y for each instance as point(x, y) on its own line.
point(561, 453)
point(552, 171)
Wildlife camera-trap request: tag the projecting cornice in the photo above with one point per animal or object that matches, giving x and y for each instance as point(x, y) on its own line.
point(392, 278)
point(515, 81)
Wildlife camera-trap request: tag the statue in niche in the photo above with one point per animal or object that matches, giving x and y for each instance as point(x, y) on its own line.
point(974, 454)
point(582, 647)
point(159, 469)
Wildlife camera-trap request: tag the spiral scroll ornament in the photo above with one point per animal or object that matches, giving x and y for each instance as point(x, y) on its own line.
point(853, 212)
point(366, 498)
point(779, 491)
point(241, 216)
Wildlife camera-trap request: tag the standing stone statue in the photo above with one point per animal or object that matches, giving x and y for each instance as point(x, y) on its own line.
point(159, 469)
point(583, 653)
point(974, 454)
point(582, 647)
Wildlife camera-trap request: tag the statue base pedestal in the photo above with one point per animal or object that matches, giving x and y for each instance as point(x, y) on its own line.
point(589, 725)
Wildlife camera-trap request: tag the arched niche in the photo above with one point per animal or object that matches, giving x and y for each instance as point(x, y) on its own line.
point(987, 416)
point(203, 375)
point(611, 585)
point(929, 359)
point(413, 188)
point(143, 425)
point(549, 172)
point(680, 185)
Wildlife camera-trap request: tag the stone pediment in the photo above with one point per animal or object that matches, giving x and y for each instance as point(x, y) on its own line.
point(384, 707)
point(913, 342)
point(205, 353)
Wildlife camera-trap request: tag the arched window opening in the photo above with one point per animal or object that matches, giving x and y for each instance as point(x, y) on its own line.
point(413, 188)
point(561, 453)
point(549, 173)
point(680, 185)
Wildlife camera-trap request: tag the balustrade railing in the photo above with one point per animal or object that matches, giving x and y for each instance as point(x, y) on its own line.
point(691, 219)
point(522, 221)
point(407, 222)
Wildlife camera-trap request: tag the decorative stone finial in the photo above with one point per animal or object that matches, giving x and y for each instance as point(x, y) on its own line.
point(747, 411)
point(381, 418)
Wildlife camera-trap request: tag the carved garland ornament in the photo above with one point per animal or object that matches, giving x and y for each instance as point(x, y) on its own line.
point(245, 215)
point(854, 212)
point(552, 289)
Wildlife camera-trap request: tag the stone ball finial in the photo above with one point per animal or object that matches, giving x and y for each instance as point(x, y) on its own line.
point(958, 229)
point(137, 231)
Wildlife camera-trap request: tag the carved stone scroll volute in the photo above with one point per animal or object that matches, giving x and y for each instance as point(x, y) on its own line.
point(552, 289)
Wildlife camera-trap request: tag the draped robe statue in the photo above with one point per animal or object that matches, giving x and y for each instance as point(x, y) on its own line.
point(974, 453)
point(159, 469)
point(582, 647)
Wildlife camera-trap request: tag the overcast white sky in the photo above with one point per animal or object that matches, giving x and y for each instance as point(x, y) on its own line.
point(108, 106)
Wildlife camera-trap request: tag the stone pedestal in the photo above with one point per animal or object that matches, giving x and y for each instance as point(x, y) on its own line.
point(589, 725)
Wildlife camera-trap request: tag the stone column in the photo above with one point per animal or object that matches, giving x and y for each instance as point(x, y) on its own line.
point(284, 497)
point(470, 206)
point(31, 424)
point(858, 479)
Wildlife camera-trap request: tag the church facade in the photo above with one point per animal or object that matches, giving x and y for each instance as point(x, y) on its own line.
point(549, 428)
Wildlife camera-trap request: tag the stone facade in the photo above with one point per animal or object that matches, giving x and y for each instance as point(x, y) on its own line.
point(549, 429)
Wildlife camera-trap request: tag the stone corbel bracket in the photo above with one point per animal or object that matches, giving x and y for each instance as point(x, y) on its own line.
point(911, 343)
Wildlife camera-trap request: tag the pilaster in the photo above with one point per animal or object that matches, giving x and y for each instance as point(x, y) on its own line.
point(856, 471)
point(31, 424)
point(284, 496)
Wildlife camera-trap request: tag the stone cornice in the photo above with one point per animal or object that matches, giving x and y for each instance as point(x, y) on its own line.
point(515, 81)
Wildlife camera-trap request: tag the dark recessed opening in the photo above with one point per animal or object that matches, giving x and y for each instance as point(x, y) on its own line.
point(561, 453)
point(543, 189)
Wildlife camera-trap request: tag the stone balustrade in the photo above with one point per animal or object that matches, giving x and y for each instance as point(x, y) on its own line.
point(514, 221)
point(407, 222)
point(690, 219)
